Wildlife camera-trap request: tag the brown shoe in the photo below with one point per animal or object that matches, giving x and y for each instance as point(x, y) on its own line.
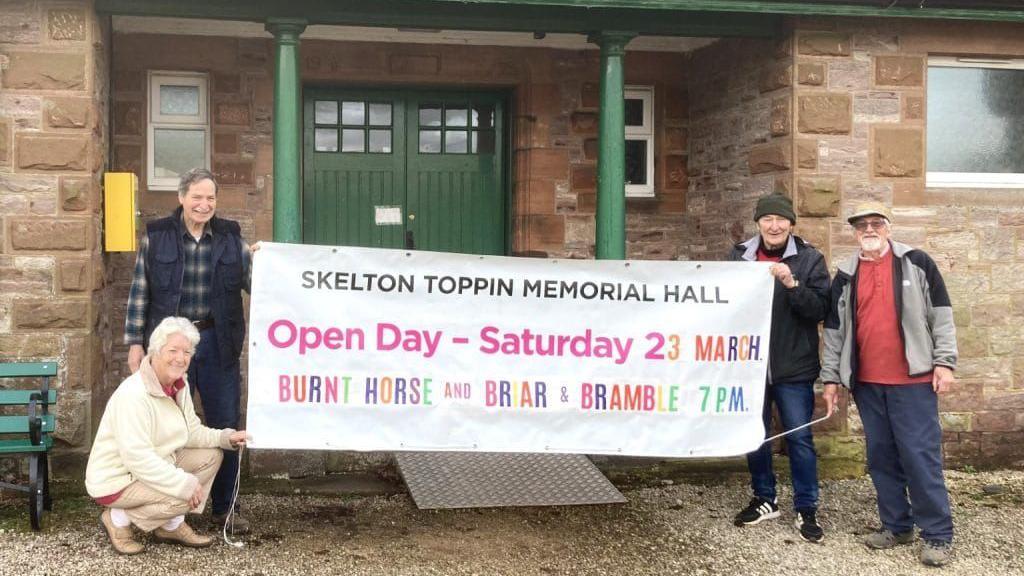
point(120, 538)
point(182, 535)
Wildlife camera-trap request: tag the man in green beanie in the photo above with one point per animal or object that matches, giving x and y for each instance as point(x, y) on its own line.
point(801, 301)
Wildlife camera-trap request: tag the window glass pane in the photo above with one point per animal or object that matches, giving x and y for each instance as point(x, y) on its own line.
point(179, 100)
point(430, 141)
point(975, 120)
point(177, 151)
point(456, 142)
point(483, 142)
point(456, 117)
point(380, 114)
point(636, 162)
point(353, 113)
point(352, 140)
point(326, 112)
point(483, 115)
point(326, 140)
point(380, 141)
point(430, 115)
point(634, 112)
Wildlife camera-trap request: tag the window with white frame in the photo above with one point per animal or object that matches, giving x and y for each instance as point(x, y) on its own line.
point(639, 141)
point(178, 134)
point(975, 123)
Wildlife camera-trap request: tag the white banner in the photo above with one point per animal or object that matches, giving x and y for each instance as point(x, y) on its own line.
point(371, 349)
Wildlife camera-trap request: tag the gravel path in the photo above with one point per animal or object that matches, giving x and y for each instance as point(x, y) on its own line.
point(681, 527)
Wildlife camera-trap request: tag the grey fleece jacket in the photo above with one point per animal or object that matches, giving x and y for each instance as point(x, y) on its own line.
point(923, 307)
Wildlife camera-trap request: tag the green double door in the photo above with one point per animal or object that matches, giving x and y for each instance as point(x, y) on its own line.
point(404, 169)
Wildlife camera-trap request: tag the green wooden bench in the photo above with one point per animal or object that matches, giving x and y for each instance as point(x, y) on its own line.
point(29, 433)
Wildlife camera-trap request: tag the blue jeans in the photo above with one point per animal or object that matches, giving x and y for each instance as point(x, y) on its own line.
point(796, 405)
point(904, 445)
point(219, 393)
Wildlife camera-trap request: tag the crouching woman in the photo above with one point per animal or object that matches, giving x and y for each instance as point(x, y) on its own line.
point(152, 460)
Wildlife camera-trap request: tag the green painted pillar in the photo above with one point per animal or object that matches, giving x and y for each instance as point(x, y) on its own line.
point(611, 154)
point(287, 129)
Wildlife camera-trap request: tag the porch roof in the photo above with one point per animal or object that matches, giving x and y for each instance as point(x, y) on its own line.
point(649, 17)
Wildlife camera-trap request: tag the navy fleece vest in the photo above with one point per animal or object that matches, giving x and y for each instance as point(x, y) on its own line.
point(165, 270)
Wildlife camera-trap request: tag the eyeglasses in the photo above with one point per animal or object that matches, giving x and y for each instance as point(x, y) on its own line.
point(862, 225)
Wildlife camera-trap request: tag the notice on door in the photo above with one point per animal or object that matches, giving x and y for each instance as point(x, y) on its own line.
point(387, 215)
point(373, 349)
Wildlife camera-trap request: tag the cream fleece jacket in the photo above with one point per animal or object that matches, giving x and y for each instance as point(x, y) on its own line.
point(141, 430)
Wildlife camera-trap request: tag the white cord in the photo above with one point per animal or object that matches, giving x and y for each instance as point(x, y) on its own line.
point(234, 499)
point(811, 423)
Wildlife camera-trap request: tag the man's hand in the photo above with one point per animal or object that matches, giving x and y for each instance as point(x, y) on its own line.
point(196, 498)
point(255, 247)
point(831, 397)
point(942, 379)
point(135, 354)
point(783, 274)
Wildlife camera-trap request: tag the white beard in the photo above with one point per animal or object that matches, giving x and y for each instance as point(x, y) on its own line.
point(871, 244)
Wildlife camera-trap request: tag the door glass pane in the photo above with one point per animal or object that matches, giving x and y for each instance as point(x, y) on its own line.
point(634, 112)
point(456, 117)
point(353, 113)
point(430, 115)
point(177, 151)
point(456, 142)
point(326, 140)
point(380, 114)
point(636, 162)
point(380, 141)
point(483, 142)
point(430, 141)
point(352, 140)
point(326, 112)
point(975, 120)
point(483, 115)
point(179, 100)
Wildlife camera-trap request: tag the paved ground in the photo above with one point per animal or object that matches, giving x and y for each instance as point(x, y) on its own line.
point(680, 526)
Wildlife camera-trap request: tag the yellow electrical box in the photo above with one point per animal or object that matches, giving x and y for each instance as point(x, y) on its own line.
point(120, 218)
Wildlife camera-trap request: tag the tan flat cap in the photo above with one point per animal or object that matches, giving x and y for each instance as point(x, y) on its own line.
point(870, 209)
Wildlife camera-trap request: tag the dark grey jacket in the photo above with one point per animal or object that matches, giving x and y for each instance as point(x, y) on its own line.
point(922, 307)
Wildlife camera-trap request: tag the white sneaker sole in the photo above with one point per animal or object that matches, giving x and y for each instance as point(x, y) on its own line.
point(768, 516)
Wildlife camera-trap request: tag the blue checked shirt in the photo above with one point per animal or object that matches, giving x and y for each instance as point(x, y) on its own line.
point(195, 284)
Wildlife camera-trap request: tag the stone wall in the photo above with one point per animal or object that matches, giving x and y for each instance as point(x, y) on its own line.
point(861, 119)
point(553, 99)
point(740, 143)
point(53, 126)
point(848, 97)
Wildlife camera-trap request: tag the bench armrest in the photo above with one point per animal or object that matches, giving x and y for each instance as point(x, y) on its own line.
point(35, 423)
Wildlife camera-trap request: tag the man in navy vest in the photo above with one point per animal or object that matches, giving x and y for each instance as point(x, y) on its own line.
point(194, 264)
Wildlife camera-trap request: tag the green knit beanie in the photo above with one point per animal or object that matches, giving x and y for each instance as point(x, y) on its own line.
point(775, 204)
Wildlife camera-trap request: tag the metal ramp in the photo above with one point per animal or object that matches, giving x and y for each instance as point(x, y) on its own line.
point(492, 479)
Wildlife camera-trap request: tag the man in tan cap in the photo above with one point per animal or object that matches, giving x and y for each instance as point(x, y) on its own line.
point(890, 339)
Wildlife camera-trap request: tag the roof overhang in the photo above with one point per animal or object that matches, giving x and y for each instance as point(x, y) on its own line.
point(1004, 10)
point(480, 16)
point(247, 29)
point(647, 17)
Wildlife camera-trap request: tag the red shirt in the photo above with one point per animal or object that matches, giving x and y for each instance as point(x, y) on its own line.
point(172, 392)
point(774, 256)
point(881, 355)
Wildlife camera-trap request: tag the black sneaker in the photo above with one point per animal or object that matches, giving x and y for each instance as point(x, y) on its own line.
point(759, 509)
point(808, 525)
